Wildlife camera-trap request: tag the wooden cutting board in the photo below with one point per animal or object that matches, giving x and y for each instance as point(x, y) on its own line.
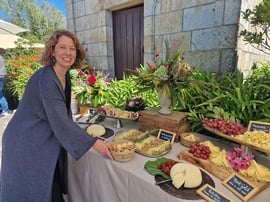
point(237, 140)
point(219, 172)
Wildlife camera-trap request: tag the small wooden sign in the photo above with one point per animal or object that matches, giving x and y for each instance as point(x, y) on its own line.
point(210, 194)
point(261, 126)
point(166, 135)
point(240, 186)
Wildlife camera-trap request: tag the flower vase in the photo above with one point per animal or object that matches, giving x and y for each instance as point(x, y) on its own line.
point(164, 101)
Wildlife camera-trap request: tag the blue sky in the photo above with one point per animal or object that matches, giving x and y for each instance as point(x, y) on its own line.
point(59, 4)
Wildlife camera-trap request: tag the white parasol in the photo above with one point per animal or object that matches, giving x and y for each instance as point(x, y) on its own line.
point(9, 41)
point(9, 28)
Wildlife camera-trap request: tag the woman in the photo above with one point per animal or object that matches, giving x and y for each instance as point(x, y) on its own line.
point(41, 132)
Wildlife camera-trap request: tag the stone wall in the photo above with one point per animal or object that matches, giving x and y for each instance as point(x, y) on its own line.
point(205, 30)
point(248, 56)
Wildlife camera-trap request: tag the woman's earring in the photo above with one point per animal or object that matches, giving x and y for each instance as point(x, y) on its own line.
point(53, 60)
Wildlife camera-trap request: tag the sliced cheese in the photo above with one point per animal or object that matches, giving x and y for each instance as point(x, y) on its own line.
point(185, 174)
point(178, 180)
point(96, 130)
point(176, 169)
point(193, 176)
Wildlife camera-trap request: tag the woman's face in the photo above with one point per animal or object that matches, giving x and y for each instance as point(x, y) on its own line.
point(64, 52)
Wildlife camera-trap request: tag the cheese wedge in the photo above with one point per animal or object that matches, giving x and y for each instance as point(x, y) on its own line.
point(176, 169)
point(178, 180)
point(185, 174)
point(193, 176)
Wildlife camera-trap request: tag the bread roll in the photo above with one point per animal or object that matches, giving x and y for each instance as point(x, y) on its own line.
point(96, 130)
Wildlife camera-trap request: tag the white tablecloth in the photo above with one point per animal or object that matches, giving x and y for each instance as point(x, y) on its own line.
point(95, 178)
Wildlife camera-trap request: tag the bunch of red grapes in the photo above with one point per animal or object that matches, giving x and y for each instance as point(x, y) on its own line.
point(166, 166)
point(200, 151)
point(224, 126)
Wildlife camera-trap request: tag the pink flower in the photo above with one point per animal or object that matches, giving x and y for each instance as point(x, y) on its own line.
point(235, 165)
point(249, 157)
point(153, 65)
point(92, 79)
point(244, 165)
point(230, 156)
point(238, 159)
point(81, 73)
point(157, 55)
point(238, 151)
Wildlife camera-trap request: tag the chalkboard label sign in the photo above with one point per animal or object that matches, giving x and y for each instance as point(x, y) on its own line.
point(166, 135)
point(240, 186)
point(261, 126)
point(209, 193)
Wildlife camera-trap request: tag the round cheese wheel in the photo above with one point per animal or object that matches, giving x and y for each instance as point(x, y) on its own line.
point(185, 174)
point(177, 169)
point(96, 130)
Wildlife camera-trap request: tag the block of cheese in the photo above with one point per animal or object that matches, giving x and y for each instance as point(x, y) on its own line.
point(96, 130)
point(185, 174)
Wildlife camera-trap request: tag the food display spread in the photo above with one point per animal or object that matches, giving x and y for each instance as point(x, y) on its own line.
point(184, 179)
point(111, 111)
point(152, 146)
point(131, 134)
point(178, 178)
point(235, 132)
point(223, 164)
point(237, 161)
point(258, 139)
point(145, 144)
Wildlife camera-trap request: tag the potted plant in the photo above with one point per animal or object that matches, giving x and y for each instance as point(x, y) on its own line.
point(89, 86)
point(167, 77)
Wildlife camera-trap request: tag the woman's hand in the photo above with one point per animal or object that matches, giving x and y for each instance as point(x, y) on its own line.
point(103, 148)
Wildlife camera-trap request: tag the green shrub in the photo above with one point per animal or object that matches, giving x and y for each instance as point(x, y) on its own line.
point(21, 63)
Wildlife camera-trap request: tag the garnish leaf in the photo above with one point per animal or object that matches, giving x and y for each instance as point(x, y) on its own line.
point(152, 167)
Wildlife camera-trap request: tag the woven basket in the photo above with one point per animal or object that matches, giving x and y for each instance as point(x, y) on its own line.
point(125, 154)
point(187, 142)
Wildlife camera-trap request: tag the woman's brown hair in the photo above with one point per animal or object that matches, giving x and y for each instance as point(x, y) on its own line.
point(47, 58)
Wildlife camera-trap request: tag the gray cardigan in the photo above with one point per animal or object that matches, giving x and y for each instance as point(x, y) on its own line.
point(31, 143)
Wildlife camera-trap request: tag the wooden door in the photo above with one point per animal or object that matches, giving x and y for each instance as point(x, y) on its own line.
point(128, 40)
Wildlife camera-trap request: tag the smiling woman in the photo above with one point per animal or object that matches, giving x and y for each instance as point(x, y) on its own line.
point(43, 128)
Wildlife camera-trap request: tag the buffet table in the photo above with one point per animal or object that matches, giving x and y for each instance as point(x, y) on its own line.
point(95, 178)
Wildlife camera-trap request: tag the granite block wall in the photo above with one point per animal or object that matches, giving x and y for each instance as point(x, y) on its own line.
point(207, 31)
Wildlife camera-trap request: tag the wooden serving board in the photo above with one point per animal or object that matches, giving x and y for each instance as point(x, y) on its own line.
point(237, 140)
point(207, 165)
point(219, 172)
